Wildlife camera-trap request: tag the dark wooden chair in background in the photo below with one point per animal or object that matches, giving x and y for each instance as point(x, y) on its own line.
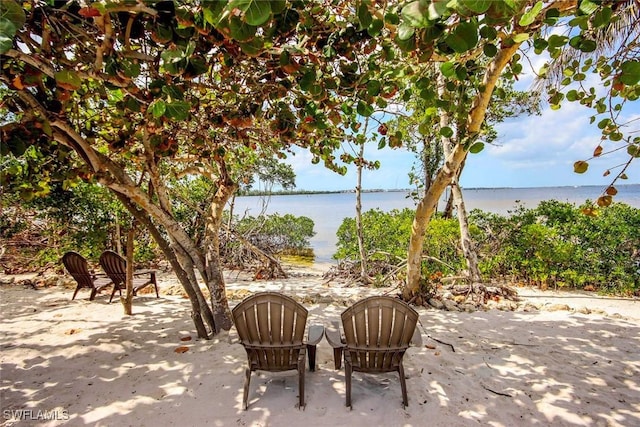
point(78, 268)
point(116, 268)
point(271, 327)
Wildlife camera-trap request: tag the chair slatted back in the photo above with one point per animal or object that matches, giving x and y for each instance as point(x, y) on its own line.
point(115, 266)
point(78, 268)
point(377, 332)
point(271, 327)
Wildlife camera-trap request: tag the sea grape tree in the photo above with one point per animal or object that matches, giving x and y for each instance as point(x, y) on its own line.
point(483, 40)
point(133, 95)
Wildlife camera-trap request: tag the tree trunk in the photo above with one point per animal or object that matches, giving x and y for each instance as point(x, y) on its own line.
point(213, 267)
point(428, 204)
point(183, 268)
point(232, 205)
point(127, 300)
point(466, 242)
point(448, 209)
point(364, 276)
point(118, 236)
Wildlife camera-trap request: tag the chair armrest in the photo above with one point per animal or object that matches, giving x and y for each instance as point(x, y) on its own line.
point(416, 339)
point(332, 332)
point(315, 334)
point(141, 272)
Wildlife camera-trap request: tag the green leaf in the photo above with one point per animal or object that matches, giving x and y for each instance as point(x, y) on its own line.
point(588, 7)
point(364, 109)
point(615, 136)
point(446, 132)
point(476, 148)
point(240, 30)
point(490, 50)
point(391, 18)
point(405, 32)
point(438, 10)
point(252, 47)
point(158, 108)
point(46, 128)
point(373, 87)
point(425, 128)
point(132, 104)
point(406, 45)
point(178, 110)
point(602, 17)
point(572, 95)
point(520, 37)
point(257, 12)
point(630, 74)
point(68, 79)
point(530, 16)
point(7, 32)
point(487, 32)
point(477, 6)
point(463, 38)
point(12, 12)
point(364, 16)
point(212, 11)
point(277, 6)
point(415, 14)
point(375, 27)
point(580, 166)
point(175, 93)
point(556, 41)
point(130, 69)
point(448, 69)
point(308, 79)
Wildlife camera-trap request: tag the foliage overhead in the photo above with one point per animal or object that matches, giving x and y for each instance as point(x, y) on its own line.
point(222, 79)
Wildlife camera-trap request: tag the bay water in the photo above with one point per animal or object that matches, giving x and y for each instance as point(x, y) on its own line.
point(328, 210)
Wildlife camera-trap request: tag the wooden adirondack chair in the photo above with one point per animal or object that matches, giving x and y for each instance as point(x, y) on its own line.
point(116, 268)
point(78, 268)
point(271, 328)
point(377, 332)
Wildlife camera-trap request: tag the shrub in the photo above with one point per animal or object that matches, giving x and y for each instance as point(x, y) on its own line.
point(554, 244)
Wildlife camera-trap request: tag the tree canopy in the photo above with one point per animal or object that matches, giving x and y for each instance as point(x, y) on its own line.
point(129, 93)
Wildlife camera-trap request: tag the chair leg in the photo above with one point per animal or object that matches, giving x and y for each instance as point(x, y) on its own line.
point(75, 292)
point(301, 381)
point(245, 394)
point(115, 288)
point(311, 351)
point(155, 283)
point(347, 377)
point(337, 357)
point(403, 386)
point(94, 291)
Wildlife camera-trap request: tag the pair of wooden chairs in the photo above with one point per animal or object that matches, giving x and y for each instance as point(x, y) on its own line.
point(115, 268)
point(377, 332)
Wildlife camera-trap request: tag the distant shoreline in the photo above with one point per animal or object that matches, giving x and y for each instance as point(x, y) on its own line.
point(407, 190)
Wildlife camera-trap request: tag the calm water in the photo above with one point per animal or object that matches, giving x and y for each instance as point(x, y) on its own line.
point(328, 210)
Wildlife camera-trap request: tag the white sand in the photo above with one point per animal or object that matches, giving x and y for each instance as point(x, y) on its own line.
point(86, 363)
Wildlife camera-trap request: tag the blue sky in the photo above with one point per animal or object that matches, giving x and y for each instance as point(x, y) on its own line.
point(531, 151)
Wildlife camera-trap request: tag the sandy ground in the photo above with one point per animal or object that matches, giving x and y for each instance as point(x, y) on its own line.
point(86, 363)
